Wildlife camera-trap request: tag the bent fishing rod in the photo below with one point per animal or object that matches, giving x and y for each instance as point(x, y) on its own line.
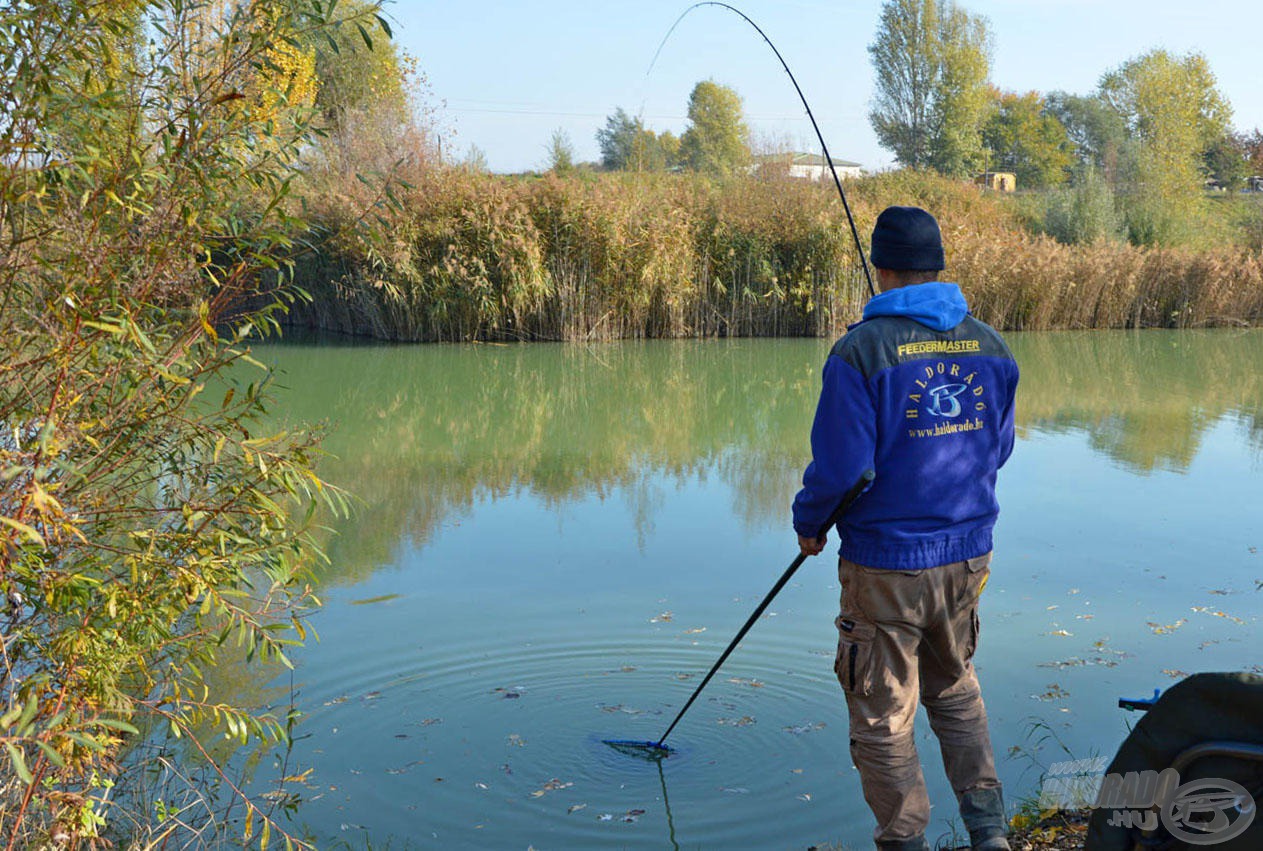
point(814, 126)
point(659, 749)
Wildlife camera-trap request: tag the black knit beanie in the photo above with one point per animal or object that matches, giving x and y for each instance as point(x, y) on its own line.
point(907, 238)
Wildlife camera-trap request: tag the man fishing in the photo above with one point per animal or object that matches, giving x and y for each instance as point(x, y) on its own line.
point(922, 393)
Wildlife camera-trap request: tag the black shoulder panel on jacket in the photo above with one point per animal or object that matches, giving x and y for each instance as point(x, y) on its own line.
point(887, 341)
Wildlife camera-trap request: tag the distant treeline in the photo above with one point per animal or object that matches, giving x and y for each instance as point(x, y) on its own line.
point(468, 256)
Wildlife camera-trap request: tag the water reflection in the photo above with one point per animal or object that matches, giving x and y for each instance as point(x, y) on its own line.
point(540, 512)
point(422, 434)
point(1145, 399)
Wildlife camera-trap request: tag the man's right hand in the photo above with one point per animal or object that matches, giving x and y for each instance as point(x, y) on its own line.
point(811, 546)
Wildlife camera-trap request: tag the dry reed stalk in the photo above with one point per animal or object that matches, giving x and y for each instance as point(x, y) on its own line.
point(479, 257)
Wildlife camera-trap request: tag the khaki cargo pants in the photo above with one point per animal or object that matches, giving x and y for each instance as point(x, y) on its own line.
point(905, 635)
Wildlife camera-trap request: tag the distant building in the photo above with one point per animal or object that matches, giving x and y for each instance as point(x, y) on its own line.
point(806, 166)
point(997, 181)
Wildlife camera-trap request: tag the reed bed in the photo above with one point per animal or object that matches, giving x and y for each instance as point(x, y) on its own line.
point(608, 256)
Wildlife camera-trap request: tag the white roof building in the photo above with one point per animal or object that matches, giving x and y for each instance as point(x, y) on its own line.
point(808, 166)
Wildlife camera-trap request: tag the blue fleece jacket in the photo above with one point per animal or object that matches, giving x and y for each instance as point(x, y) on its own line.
point(922, 393)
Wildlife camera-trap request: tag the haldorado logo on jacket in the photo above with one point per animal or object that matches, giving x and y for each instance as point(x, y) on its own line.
point(945, 400)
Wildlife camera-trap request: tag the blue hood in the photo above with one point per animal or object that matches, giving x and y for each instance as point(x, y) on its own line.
point(936, 305)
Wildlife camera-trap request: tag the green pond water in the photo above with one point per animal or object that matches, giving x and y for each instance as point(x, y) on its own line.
point(556, 542)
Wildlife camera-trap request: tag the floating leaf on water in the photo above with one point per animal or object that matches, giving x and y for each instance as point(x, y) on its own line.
point(551, 786)
point(372, 695)
point(1220, 592)
point(1061, 632)
point(1235, 620)
point(1161, 629)
point(1055, 692)
point(481, 785)
point(516, 741)
point(430, 722)
point(382, 599)
point(1073, 591)
point(574, 808)
point(795, 771)
point(1072, 662)
point(752, 683)
point(805, 796)
point(684, 676)
point(744, 721)
point(1053, 606)
point(636, 812)
point(506, 769)
point(339, 699)
point(401, 735)
point(665, 617)
point(695, 631)
point(618, 707)
point(799, 729)
point(627, 669)
point(736, 790)
point(605, 817)
point(1175, 673)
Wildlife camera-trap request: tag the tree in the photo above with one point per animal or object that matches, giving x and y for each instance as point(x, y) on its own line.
point(560, 153)
point(1172, 106)
point(617, 140)
point(1252, 144)
point(144, 524)
point(931, 61)
point(1025, 138)
point(475, 161)
point(1227, 161)
point(1174, 113)
point(1097, 133)
point(962, 99)
point(359, 67)
point(669, 144)
point(716, 141)
point(627, 145)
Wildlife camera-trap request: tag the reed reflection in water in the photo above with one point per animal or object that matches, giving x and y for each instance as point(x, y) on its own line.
point(556, 540)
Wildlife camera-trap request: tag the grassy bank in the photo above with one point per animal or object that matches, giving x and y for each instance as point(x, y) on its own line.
point(482, 257)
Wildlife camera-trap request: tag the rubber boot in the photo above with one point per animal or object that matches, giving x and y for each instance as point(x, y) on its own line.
point(982, 811)
point(915, 843)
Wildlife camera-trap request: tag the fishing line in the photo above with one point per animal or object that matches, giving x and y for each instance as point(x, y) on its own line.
point(814, 126)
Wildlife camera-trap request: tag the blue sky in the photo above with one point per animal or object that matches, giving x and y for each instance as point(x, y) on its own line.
point(505, 75)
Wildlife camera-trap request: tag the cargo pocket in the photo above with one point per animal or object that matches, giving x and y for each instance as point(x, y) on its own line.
point(853, 663)
point(973, 633)
point(979, 572)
